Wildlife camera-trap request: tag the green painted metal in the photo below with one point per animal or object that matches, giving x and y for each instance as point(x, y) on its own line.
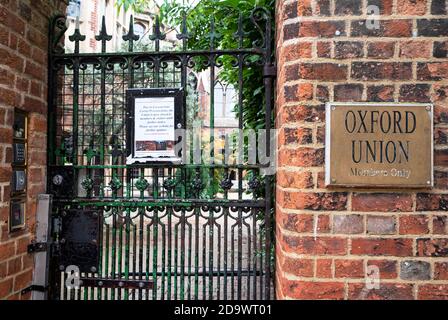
point(193, 231)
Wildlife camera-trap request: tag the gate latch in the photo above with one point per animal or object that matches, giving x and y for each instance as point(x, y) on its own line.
point(37, 247)
point(34, 287)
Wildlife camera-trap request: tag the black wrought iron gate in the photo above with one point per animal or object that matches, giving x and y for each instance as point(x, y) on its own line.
point(155, 229)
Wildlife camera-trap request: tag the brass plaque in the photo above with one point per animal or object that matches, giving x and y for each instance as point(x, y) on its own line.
point(379, 145)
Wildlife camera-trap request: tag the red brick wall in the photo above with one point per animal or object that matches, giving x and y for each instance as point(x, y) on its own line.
point(326, 238)
point(23, 85)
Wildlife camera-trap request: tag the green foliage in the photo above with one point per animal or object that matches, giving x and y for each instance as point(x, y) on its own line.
point(136, 5)
point(226, 14)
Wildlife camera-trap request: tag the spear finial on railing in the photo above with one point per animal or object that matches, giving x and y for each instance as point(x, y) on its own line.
point(157, 36)
point(103, 36)
point(213, 35)
point(240, 34)
point(184, 35)
point(131, 36)
point(76, 37)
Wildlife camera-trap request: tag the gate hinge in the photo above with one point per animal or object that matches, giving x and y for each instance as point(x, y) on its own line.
point(34, 287)
point(37, 247)
point(270, 71)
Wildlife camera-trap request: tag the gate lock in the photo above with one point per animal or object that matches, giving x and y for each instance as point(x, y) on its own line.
point(37, 247)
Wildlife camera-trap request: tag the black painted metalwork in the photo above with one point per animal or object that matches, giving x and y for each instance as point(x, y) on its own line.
point(79, 239)
point(155, 230)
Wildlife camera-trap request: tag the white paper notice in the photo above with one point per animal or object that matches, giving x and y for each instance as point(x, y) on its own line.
point(154, 127)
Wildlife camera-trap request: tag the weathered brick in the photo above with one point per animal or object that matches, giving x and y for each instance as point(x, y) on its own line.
point(381, 70)
point(432, 202)
point(381, 50)
point(324, 268)
point(381, 225)
point(11, 21)
point(349, 268)
point(299, 180)
point(415, 93)
point(302, 157)
point(304, 8)
point(382, 247)
point(322, 93)
point(348, 224)
point(441, 137)
point(324, 29)
point(299, 92)
point(11, 60)
point(320, 138)
point(381, 93)
point(323, 49)
point(432, 27)
point(302, 112)
point(432, 247)
point(9, 97)
point(336, 201)
point(387, 291)
point(385, 6)
point(323, 224)
point(433, 292)
point(34, 70)
point(388, 28)
point(299, 136)
point(23, 280)
point(441, 157)
point(439, 7)
point(348, 92)
point(440, 225)
point(313, 290)
point(415, 270)
point(300, 223)
point(435, 71)
point(387, 268)
point(14, 266)
point(348, 7)
point(290, 31)
point(314, 245)
point(290, 11)
point(6, 250)
point(297, 50)
point(6, 287)
point(441, 271)
point(323, 71)
point(411, 7)
point(299, 267)
point(323, 7)
point(3, 270)
point(440, 49)
point(25, 11)
point(414, 224)
point(382, 202)
point(415, 49)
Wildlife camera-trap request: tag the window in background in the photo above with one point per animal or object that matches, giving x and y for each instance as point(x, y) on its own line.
point(139, 30)
point(73, 8)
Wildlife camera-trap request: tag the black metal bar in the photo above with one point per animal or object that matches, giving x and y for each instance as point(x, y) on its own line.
point(165, 54)
point(215, 273)
point(116, 283)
